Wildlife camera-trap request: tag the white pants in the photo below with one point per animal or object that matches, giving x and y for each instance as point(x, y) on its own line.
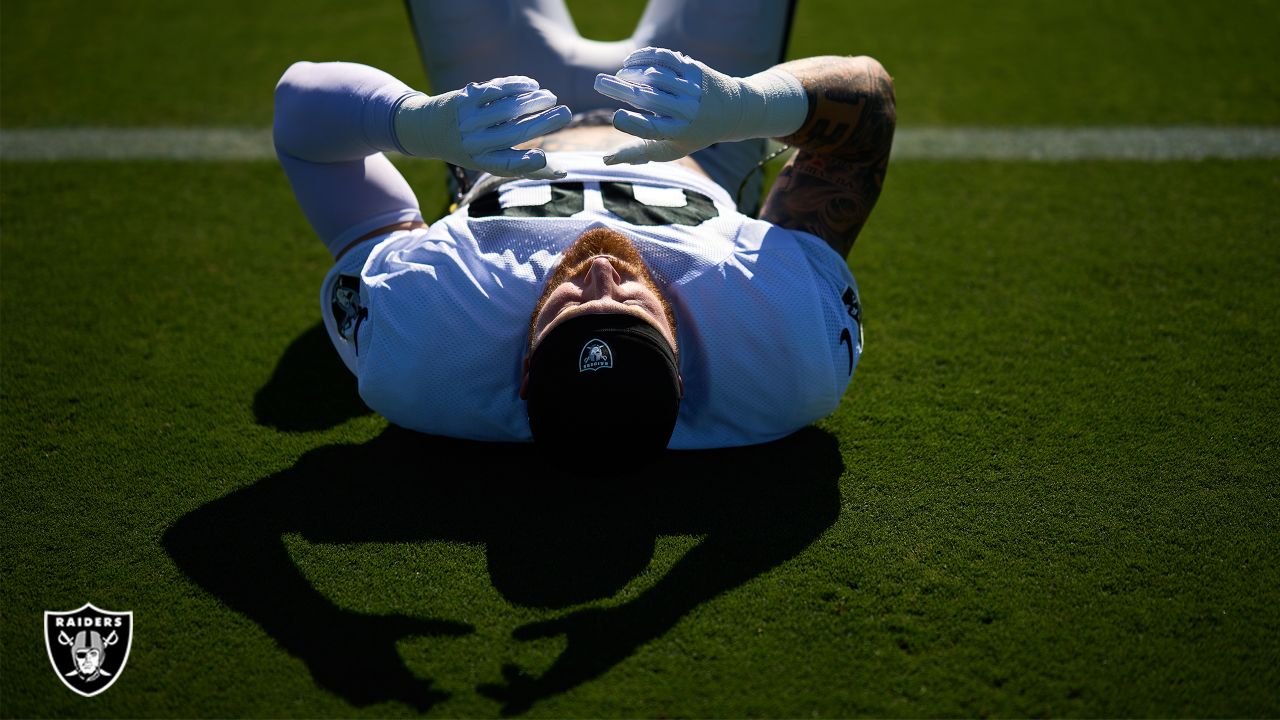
point(464, 41)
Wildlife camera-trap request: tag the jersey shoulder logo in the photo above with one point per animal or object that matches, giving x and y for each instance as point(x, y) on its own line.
point(595, 355)
point(347, 310)
point(88, 646)
point(853, 307)
point(847, 339)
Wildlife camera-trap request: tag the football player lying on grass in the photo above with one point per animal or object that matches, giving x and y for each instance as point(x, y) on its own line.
point(599, 286)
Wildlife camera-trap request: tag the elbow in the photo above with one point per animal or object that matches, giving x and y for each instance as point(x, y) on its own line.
point(876, 84)
point(852, 108)
point(288, 96)
point(872, 85)
point(296, 77)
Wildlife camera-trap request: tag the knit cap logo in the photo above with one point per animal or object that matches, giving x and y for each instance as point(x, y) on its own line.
point(595, 355)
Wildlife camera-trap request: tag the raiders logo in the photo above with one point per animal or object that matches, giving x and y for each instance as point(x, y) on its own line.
point(595, 355)
point(88, 647)
point(347, 310)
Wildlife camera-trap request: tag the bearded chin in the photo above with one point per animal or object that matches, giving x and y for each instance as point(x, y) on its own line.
point(594, 242)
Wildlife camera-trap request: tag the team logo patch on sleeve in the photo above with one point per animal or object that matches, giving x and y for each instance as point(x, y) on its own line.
point(88, 646)
point(854, 309)
point(595, 355)
point(347, 310)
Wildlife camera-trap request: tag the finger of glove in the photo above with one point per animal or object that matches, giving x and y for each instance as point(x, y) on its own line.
point(649, 127)
point(548, 172)
point(661, 57)
point(504, 109)
point(660, 78)
point(647, 98)
point(644, 151)
point(514, 132)
point(517, 163)
point(487, 92)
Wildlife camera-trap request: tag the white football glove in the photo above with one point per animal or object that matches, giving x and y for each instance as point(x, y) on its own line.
point(686, 106)
point(476, 127)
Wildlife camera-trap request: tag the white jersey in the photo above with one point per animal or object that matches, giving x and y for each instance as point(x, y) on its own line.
point(434, 322)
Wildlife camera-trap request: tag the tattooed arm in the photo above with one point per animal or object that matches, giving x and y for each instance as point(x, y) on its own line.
point(832, 183)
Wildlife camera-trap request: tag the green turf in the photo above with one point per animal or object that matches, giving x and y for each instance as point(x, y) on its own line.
point(1049, 490)
point(1057, 492)
point(1091, 62)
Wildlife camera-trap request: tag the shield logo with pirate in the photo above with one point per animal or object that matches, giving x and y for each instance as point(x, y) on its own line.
point(88, 646)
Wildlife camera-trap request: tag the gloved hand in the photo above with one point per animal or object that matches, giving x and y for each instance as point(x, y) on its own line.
point(476, 127)
point(687, 106)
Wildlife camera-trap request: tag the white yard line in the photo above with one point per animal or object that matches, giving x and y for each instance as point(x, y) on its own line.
point(161, 143)
point(1033, 144)
point(1149, 144)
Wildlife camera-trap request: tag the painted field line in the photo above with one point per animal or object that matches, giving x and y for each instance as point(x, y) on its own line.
point(1149, 144)
point(159, 143)
point(1029, 144)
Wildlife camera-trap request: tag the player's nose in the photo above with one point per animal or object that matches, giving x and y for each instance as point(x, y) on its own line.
point(601, 279)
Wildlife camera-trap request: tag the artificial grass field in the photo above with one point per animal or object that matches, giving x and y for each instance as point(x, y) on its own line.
point(1050, 489)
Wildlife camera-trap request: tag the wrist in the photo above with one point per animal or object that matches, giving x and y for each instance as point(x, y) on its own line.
point(427, 126)
point(775, 103)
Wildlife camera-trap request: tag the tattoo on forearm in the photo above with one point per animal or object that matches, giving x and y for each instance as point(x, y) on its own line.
point(833, 182)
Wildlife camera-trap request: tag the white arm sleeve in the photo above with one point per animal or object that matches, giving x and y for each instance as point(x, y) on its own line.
point(332, 122)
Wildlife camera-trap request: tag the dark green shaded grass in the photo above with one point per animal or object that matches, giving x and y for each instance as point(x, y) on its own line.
point(1057, 498)
point(1060, 63)
point(1093, 62)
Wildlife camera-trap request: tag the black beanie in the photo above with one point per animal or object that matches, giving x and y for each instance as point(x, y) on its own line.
point(586, 367)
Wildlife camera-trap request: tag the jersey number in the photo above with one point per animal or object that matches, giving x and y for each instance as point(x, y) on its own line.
point(567, 199)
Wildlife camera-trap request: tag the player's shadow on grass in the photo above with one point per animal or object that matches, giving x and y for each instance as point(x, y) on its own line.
point(551, 540)
point(310, 389)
